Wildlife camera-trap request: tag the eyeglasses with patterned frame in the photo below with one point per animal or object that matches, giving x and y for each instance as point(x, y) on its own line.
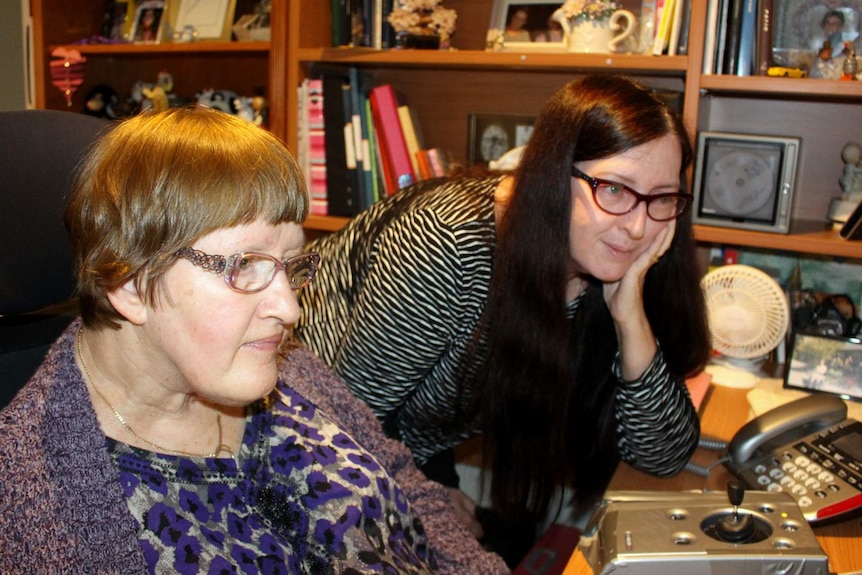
point(618, 199)
point(251, 272)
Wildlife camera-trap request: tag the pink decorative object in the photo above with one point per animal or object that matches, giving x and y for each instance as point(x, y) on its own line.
point(67, 71)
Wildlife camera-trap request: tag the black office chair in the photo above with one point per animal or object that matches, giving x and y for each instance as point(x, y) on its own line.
point(39, 150)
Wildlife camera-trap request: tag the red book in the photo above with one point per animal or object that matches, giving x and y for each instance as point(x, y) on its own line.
point(393, 146)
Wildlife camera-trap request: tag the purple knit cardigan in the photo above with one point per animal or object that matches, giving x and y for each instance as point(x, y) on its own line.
point(61, 506)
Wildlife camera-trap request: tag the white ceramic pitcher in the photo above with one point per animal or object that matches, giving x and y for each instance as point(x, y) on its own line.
point(599, 36)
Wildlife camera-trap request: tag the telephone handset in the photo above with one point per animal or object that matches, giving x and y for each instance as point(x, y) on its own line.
point(808, 448)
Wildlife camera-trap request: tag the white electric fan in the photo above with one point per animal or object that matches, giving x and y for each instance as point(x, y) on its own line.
point(748, 319)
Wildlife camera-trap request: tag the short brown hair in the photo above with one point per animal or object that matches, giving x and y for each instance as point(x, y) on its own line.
point(159, 181)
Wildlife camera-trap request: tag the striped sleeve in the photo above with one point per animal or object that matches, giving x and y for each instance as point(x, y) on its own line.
point(657, 425)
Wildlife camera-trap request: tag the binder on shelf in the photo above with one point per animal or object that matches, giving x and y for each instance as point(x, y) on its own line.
point(393, 147)
point(734, 25)
point(747, 31)
point(763, 44)
point(342, 181)
point(359, 121)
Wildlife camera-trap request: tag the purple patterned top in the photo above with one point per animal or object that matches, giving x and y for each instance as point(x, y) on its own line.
point(291, 503)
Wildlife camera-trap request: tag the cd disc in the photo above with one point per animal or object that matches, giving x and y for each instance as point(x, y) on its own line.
point(741, 182)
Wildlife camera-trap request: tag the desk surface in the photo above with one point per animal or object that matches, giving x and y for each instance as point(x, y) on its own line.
point(725, 411)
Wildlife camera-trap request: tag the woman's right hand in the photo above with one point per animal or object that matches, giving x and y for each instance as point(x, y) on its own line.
point(465, 511)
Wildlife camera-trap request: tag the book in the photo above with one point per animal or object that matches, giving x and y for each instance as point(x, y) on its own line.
point(412, 133)
point(372, 155)
point(424, 165)
point(685, 28)
point(662, 33)
point(342, 183)
point(763, 42)
point(339, 23)
point(438, 158)
point(709, 41)
point(675, 27)
point(359, 121)
point(311, 147)
point(734, 24)
point(393, 146)
point(747, 30)
point(721, 35)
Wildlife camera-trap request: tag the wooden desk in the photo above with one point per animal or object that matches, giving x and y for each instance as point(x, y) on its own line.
point(727, 410)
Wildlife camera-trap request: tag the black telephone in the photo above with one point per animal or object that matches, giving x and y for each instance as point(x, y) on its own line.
point(808, 448)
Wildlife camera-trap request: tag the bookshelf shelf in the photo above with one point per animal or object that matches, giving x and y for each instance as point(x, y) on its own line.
point(806, 236)
point(782, 87)
point(479, 59)
point(190, 48)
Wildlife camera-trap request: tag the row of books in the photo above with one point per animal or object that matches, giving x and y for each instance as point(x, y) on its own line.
point(359, 142)
point(665, 27)
point(738, 37)
point(362, 23)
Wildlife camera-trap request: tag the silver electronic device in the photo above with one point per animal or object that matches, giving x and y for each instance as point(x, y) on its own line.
point(694, 533)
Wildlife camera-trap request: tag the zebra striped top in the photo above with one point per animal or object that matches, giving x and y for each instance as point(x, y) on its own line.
point(395, 304)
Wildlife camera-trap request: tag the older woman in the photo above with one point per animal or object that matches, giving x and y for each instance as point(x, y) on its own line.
point(170, 430)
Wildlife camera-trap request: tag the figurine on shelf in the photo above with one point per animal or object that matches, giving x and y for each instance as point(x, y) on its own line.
point(851, 184)
point(223, 100)
point(261, 108)
point(243, 108)
point(851, 66)
point(102, 101)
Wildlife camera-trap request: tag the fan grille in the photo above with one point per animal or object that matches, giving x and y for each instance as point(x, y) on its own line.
point(748, 311)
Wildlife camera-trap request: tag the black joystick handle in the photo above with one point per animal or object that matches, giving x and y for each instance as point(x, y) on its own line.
point(735, 493)
point(736, 528)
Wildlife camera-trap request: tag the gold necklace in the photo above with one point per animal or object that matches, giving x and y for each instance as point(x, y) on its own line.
point(219, 449)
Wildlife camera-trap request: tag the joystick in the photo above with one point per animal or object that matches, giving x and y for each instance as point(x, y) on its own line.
point(735, 527)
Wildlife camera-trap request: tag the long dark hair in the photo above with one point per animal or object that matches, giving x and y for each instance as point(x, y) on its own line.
point(545, 395)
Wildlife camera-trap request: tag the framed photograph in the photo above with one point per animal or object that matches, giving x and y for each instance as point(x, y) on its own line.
point(118, 17)
point(492, 135)
point(744, 181)
point(801, 27)
point(526, 25)
point(826, 365)
point(211, 19)
point(147, 28)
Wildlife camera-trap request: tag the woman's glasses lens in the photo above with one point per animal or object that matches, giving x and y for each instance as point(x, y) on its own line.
point(253, 272)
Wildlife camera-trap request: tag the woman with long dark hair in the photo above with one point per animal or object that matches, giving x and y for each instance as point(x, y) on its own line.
point(556, 309)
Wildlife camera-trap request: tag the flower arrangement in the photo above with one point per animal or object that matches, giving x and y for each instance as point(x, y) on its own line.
point(426, 17)
point(575, 10)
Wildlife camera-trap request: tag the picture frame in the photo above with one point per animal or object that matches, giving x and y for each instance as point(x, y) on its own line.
point(489, 136)
point(798, 31)
point(825, 364)
point(211, 19)
point(745, 181)
point(118, 19)
point(536, 29)
point(149, 22)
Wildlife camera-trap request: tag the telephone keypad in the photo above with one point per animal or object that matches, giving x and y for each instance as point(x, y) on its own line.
point(807, 474)
point(820, 470)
